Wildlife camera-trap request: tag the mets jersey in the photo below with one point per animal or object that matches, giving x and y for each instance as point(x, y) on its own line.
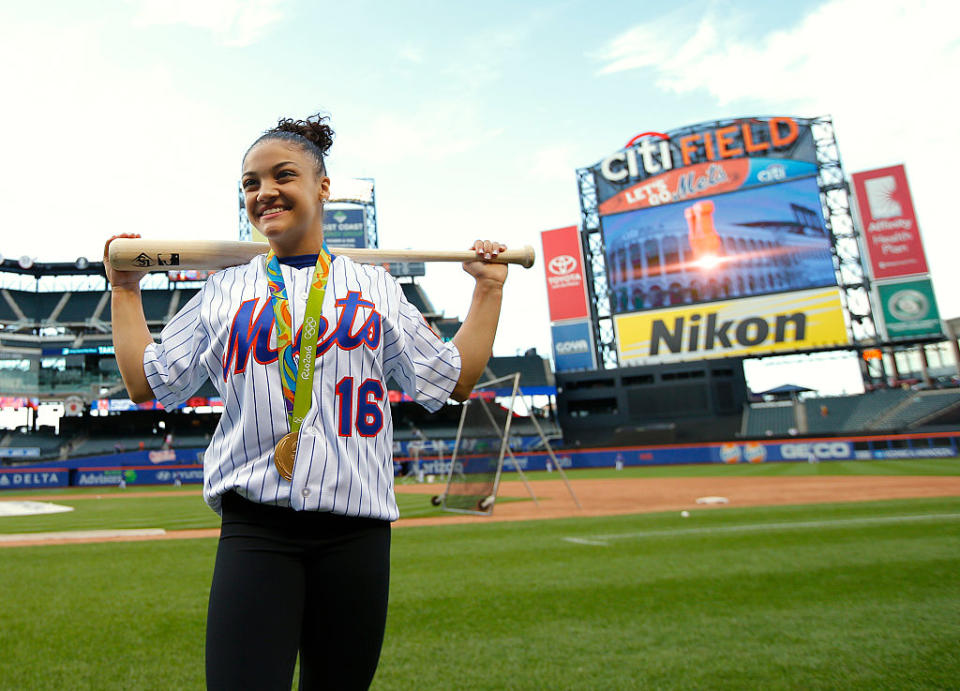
point(367, 332)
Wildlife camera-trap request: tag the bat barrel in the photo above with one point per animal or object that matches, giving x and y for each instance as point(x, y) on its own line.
point(136, 254)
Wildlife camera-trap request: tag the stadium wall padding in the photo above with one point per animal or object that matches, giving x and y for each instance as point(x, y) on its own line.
point(164, 467)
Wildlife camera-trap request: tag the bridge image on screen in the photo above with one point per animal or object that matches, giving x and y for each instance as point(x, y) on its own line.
point(764, 240)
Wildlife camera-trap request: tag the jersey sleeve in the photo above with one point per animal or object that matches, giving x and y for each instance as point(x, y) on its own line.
point(173, 366)
point(424, 365)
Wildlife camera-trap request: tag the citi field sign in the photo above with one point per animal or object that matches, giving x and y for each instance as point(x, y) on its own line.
point(655, 168)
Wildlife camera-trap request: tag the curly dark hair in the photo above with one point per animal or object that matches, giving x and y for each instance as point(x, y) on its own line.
point(313, 135)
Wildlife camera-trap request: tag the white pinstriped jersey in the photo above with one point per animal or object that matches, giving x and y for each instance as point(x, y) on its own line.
point(368, 332)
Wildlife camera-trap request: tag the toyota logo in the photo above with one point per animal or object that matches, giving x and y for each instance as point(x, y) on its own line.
point(562, 265)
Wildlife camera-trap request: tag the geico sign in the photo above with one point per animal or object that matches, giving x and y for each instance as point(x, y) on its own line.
point(826, 449)
point(578, 346)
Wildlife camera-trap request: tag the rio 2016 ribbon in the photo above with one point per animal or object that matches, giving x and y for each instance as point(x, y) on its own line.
point(296, 398)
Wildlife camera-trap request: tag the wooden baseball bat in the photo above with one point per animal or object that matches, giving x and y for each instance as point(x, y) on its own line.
point(137, 254)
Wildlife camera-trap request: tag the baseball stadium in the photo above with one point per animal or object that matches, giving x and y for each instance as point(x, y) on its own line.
point(624, 513)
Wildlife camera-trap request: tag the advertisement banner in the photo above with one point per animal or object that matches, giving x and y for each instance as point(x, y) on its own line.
point(765, 240)
point(566, 278)
point(909, 309)
point(573, 347)
point(106, 477)
point(782, 322)
point(344, 228)
point(889, 225)
point(705, 179)
point(20, 452)
point(39, 477)
point(708, 158)
point(932, 452)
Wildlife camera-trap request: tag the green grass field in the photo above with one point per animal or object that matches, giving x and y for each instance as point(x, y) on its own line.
point(859, 595)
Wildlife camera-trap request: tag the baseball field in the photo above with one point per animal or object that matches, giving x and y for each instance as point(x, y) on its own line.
point(802, 589)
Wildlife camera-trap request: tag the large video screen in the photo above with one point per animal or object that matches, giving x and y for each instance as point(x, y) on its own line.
point(759, 241)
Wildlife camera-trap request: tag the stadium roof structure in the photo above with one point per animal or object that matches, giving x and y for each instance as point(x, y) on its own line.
point(784, 390)
point(55, 335)
point(80, 267)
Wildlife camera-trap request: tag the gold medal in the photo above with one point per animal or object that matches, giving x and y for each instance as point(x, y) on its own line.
point(284, 454)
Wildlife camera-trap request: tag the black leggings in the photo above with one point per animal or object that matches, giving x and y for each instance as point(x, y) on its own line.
point(288, 580)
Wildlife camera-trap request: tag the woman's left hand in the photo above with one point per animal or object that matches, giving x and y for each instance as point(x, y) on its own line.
point(482, 268)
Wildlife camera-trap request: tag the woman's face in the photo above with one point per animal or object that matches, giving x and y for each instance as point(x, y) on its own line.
point(284, 196)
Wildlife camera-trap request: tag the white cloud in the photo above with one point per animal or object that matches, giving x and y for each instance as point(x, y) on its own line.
point(879, 45)
point(232, 22)
point(881, 69)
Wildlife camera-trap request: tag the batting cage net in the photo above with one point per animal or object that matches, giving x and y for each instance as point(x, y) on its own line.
point(482, 441)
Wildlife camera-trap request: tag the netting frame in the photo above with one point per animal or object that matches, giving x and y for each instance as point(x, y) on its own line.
point(504, 447)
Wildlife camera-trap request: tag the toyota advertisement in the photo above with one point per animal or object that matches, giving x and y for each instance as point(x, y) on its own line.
point(571, 327)
point(566, 278)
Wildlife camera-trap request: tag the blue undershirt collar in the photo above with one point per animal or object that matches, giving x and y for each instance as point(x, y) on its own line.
point(302, 261)
point(299, 261)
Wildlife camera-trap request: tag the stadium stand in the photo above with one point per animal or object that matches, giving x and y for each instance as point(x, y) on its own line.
point(97, 446)
point(82, 306)
point(837, 409)
point(873, 405)
point(882, 410)
point(6, 311)
point(45, 439)
point(79, 308)
point(418, 298)
point(767, 419)
point(46, 305)
point(913, 411)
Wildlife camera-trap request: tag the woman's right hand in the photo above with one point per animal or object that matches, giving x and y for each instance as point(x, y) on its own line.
point(121, 279)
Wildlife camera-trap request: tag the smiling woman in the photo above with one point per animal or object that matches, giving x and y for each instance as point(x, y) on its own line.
point(300, 344)
point(285, 184)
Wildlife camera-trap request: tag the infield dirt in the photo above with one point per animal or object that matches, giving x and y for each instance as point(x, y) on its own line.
point(609, 497)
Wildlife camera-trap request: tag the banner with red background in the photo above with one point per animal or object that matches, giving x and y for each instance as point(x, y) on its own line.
point(890, 232)
point(566, 278)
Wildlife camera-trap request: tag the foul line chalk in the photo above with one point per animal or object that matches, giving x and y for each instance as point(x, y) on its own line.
point(604, 540)
point(83, 535)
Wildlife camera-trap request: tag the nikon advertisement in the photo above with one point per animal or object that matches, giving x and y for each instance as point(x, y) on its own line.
point(782, 322)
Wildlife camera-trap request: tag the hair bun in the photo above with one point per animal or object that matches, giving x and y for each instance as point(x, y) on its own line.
point(314, 129)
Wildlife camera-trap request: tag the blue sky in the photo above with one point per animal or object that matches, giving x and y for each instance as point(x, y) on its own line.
point(131, 115)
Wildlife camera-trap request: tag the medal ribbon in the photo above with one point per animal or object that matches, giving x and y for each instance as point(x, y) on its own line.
point(294, 371)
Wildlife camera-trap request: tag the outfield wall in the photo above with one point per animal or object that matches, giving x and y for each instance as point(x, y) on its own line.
point(939, 445)
point(166, 467)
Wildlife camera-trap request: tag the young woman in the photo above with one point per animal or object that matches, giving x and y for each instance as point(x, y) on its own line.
point(300, 344)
